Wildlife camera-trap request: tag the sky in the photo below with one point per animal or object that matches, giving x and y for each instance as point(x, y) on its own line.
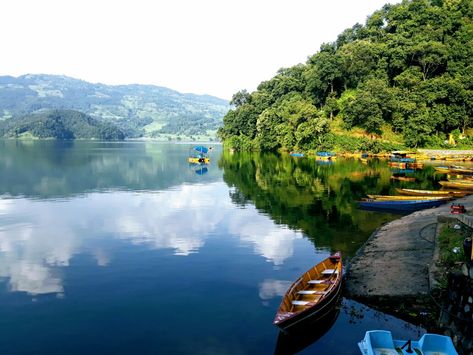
point(214, 47)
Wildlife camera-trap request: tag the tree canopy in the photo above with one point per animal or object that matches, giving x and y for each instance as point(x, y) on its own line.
point(59, 124)
point(408, 70)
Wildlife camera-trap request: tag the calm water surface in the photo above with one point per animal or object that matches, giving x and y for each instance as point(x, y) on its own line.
point(123, 248)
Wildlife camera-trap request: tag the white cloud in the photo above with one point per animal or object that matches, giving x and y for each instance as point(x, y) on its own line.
point(181, 219)
point(273, 288)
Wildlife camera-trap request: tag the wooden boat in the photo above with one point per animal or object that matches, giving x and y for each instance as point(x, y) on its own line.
point(312, 295)
point(454, 169)
point(396, 164)
point(401, 205)
point(377, 342)
point(442, 169)
point(403, 178)
point(413, 192)
point(416, 165)
point(407, 198)
point(458, 184)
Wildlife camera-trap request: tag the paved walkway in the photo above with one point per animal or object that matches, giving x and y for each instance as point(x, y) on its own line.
point(395, 261)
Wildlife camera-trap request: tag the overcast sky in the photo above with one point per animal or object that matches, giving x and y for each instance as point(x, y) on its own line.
point(214, 47)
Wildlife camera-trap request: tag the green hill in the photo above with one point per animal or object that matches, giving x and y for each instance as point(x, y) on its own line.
point(405, 77)
point(59, 124)
point(138, 110)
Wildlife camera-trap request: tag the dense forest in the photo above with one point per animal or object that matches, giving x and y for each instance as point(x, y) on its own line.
point(138, 110)
point(405, 78)
point(59, 124)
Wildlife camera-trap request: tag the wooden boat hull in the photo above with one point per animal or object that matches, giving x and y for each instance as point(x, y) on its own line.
point(407, 198)
point(414, 192)
point(453, 169)
point(313, 314)
point(324, 280)
point(457, 185)
point(404, 206)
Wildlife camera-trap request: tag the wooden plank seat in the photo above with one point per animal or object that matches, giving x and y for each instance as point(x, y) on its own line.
point(300, 303)
point(330, 272)
point(316, 282)
point(311, 292)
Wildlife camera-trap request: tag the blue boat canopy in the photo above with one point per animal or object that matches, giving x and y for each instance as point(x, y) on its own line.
point(201, 149)
point(325, 154)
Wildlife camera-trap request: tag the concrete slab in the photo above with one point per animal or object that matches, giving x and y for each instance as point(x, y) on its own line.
point(395, 261)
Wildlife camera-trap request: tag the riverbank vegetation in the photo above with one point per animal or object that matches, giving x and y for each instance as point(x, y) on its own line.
point(403, 79)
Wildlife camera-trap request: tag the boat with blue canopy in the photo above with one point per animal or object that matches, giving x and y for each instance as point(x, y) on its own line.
point(381, 342)
point(199, 155)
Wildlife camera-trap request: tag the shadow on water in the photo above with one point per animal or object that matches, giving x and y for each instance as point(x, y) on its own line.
point(297, 340)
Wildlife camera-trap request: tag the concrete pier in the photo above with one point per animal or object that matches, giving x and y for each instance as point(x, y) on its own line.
point(395, 261)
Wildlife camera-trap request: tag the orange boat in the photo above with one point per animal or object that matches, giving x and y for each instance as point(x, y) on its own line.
point(313, 295)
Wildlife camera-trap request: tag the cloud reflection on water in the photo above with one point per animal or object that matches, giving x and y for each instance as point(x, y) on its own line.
point(38, 237)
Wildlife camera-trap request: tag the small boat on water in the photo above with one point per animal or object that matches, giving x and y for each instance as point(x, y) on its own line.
point(454, 169)
point(381, 342)
point(414, 192)
point(400, 205)
point(325, 156)
point(408, 198)
point(199, 155)
point(313, 295)
point(458, 184)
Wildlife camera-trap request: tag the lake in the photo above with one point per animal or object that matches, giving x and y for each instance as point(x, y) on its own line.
point(125, 248)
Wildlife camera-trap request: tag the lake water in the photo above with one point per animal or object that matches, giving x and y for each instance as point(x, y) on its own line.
point(124, 248)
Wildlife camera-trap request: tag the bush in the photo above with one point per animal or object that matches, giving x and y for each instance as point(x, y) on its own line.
point(240, 143)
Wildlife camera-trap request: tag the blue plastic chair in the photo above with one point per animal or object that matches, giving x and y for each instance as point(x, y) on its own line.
point(431, 344)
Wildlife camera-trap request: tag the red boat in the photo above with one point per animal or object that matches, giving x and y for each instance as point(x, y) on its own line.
point(311, 296)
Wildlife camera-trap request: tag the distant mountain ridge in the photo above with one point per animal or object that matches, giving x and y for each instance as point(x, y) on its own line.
point(137, 110)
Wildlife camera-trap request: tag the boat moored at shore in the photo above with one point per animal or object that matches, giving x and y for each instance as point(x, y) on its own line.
point(313, 295)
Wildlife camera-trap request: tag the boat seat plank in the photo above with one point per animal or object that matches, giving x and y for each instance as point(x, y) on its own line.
point(300, 303)
point(315, 282)
point(311, 292)
point(329, 272)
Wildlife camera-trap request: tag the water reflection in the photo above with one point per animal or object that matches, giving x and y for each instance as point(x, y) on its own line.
point(51, 232)
point(295, 342)
point(52, 169)
point(317, 199)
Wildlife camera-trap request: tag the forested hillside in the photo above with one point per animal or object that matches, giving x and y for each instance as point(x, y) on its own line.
point(138, 110)
point(404, 78)
point(59, 124)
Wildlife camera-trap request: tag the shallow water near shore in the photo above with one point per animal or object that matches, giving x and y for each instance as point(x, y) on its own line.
point(126, 248)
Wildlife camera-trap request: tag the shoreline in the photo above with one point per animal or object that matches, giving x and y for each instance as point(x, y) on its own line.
point(396, 269)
